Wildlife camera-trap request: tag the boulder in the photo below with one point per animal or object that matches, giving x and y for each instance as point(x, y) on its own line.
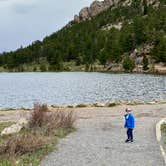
point(100, 104)
point(108, 3)
point(131, 102)
point(76, 18)
point(137, 101)
point(127, 3)
point(23, 122)
point(96, 7)
point(123, 102)
point(117, 26)
point(84, 14)
point(151, 102)
point(15, 128)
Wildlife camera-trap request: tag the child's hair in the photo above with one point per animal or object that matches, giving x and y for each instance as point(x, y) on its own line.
point(128, 110)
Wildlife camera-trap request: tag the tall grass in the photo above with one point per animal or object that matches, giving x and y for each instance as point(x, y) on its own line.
point(38, 115)
point(41, 117)
point(44, 126)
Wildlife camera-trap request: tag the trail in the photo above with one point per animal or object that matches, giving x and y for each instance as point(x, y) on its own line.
point(99, 139)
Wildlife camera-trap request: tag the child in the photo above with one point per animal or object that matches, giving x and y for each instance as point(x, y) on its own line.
point(129, 124)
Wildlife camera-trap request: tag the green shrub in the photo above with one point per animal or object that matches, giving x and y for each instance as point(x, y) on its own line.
point(128, 64)
point(43, 68)
point(35, 69)
point(111, 104)
point(5, 163)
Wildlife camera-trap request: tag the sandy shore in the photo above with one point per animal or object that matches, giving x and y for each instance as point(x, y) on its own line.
point(86, 112)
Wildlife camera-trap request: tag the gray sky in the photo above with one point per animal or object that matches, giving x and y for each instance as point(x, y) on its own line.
point(24, 21)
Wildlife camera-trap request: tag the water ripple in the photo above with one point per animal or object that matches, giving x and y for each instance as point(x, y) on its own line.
point(23, 89)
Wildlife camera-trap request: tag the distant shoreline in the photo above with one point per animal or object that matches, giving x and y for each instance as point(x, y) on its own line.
point(95, 71)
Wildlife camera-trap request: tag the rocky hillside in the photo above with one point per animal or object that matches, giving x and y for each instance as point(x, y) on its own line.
point(110, 35)
point(99, 6)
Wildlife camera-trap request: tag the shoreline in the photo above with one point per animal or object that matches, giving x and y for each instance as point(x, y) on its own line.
point(90, 105)
point(95, 71)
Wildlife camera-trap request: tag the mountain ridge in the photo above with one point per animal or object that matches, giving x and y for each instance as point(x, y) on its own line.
point(122, 38)
point(97, 7)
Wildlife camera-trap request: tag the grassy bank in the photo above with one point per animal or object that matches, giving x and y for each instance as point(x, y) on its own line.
point(40, 137)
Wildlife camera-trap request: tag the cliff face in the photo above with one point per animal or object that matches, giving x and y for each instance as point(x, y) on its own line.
point(98, 6)
point(95, 8)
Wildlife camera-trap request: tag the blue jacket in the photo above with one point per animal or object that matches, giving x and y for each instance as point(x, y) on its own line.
point(129, 121)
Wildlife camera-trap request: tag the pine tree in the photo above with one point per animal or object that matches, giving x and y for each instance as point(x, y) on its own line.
point(145, 63)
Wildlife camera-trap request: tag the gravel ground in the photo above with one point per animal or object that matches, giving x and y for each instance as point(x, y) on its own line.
point(100, 136)
point(99, 139)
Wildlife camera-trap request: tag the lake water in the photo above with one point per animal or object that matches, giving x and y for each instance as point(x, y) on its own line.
point(23, 89)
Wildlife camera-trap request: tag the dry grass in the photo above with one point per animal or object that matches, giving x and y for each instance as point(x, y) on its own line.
point(44, 127)
point(38, 116)
point(21, 144)
point(42, 118)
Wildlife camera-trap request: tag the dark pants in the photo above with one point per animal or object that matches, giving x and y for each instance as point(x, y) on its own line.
point(130, 134)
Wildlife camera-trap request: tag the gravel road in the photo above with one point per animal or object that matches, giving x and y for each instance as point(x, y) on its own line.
point(100, 136)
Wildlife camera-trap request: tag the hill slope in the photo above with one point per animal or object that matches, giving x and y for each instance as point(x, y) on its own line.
point(121, 35)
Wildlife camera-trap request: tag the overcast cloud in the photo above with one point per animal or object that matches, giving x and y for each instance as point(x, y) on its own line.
point(24, 21)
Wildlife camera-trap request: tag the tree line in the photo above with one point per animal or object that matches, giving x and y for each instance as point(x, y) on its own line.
point(87, 43)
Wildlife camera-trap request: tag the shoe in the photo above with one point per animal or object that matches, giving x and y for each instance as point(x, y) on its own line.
point(127, 140)
point(132, 140)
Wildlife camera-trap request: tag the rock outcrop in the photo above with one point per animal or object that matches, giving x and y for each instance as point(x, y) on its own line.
point(95, 8)
point(117, 26)
point(98, 6)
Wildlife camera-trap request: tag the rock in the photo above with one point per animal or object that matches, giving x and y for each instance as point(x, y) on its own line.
point(77, 18)
point(137, 101)
point(127, 3)
point(117, 26)
point(99, 104)
point(108, 3)
point(151, 102)
point(129, 102)
point(23, 122)
point(123, 102)
point(141, 51)
point(98, 6)
point(84, 14)
point(95, 8)
point(15, 128)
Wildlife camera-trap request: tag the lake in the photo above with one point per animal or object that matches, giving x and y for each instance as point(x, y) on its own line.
point(23, 89)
